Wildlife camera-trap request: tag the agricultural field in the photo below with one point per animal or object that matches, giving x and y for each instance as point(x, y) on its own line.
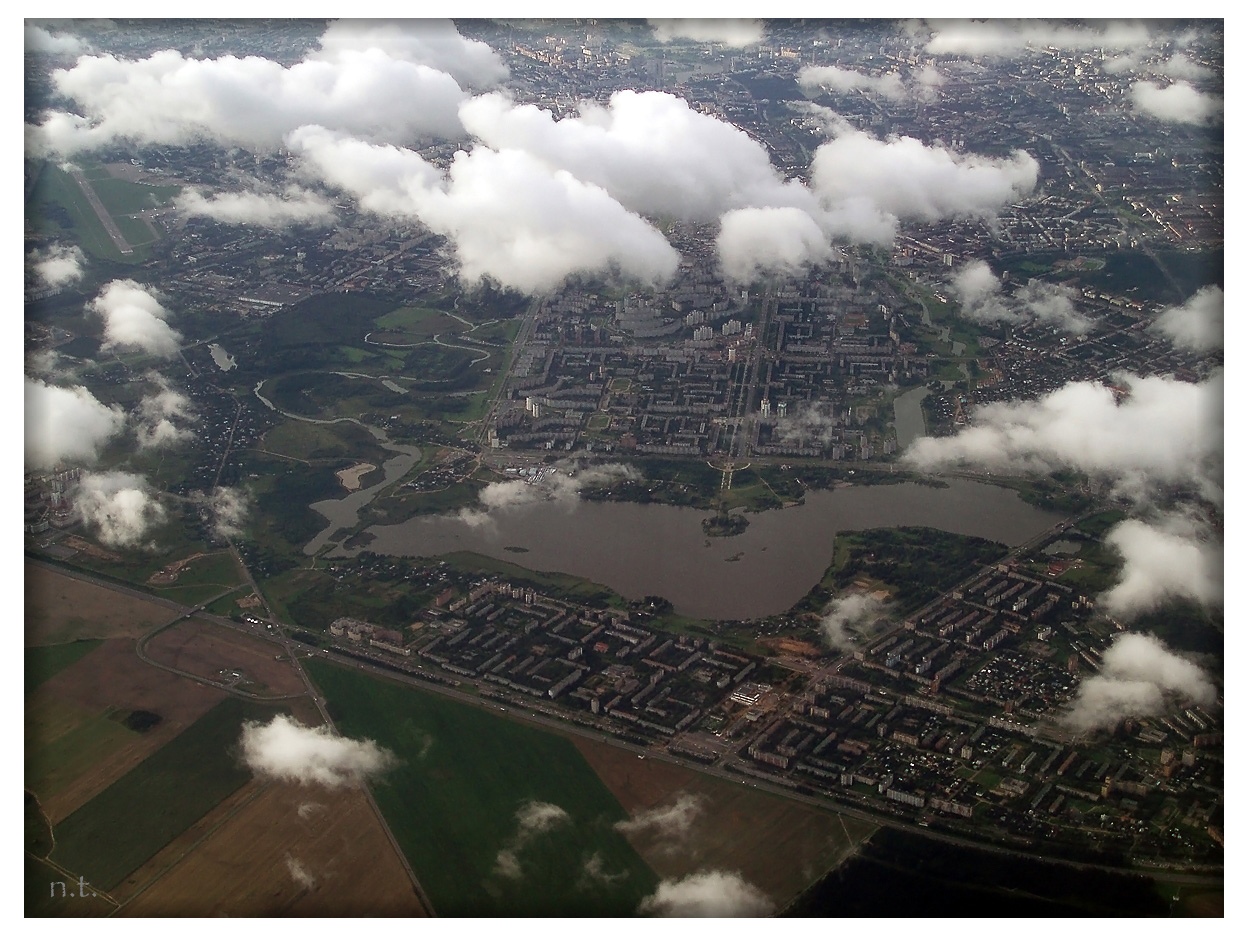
point(779, 846)
point(61, 609)
point(202, 648)
point(43, 663)
point(132, 819)
point(77, 738)
point(456, 802)
point(288, 850)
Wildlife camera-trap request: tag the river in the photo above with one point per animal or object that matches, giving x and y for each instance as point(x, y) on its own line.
point(649, 549)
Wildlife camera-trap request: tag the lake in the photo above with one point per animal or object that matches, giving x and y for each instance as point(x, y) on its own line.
point(651, 549)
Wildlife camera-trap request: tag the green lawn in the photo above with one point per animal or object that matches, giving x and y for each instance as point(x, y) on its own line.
point(134, 818)
point(453, 803)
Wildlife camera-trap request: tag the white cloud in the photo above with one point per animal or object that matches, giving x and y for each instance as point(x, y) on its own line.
point(1164, 432)
point(562, 485)
point(159, 415)
point(753, 241)
point(831, 77)
point(730, 32)
point(910, 181)
point(1179, 103)
point(431, 42)
point(299, 874)
point(707, 894)
point(58, 265)
point(1196, 325)
point(135, 319)
point(66, 424)
point(39, 39)
point(293, 206)
point(1138, 676)
point(229, 507)
point(534, 818)
point(849, 618)
point(1002, 37)
point(981, 298)
point(509, 218)
point(649, 150)
point(376, 81)
point(288, 751)
point(667, 820)
point(1170, 556)
point(119, 506)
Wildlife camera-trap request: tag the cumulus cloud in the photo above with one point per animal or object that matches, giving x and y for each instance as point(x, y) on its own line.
point(119, 506)
point(299, 874)
point(907, 180)
point(1179, 103)
point(1008, 37)
point(431, 42)
point(288, 751)
point(832, 78)
point(509, 218)
point(135, 319)
point(160, 414)
point(562, 485)
point(377, 81)
point(58, 265)
point(651, 151)
point(39, 39)
point(1164, 432)
point(533, 819)
point(707, 894)
point(849, 619)
point(229, 507)
point(981, 298)
point(1138, 676)
point(736, 33)
point(667, 820)
point(1198, 324)
point(1177, 66)
point(66, 424)
point(1171, 556)
point(755, 241)
point(293, 206)
point(595, 875)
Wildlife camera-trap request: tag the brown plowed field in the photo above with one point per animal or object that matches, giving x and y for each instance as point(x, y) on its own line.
point(110, 678)
point(254, 855)
point(778, 845)
point(204, 649)
point(61, 609)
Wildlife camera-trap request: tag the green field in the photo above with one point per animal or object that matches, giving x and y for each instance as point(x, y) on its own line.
point(453, 803)
point(57, 755)
point(134, 818)
point(43, 663)
point(58, 207)
point(121, 197)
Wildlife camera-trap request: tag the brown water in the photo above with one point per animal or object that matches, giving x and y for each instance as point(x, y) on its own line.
point(649, 549)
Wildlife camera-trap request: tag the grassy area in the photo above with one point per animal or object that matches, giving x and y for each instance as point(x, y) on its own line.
point(58, 207)
point(130, 821)
point(43, 663)
point(555, 584)
point(121, 197)
point(55, 758)
point(453, 804)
